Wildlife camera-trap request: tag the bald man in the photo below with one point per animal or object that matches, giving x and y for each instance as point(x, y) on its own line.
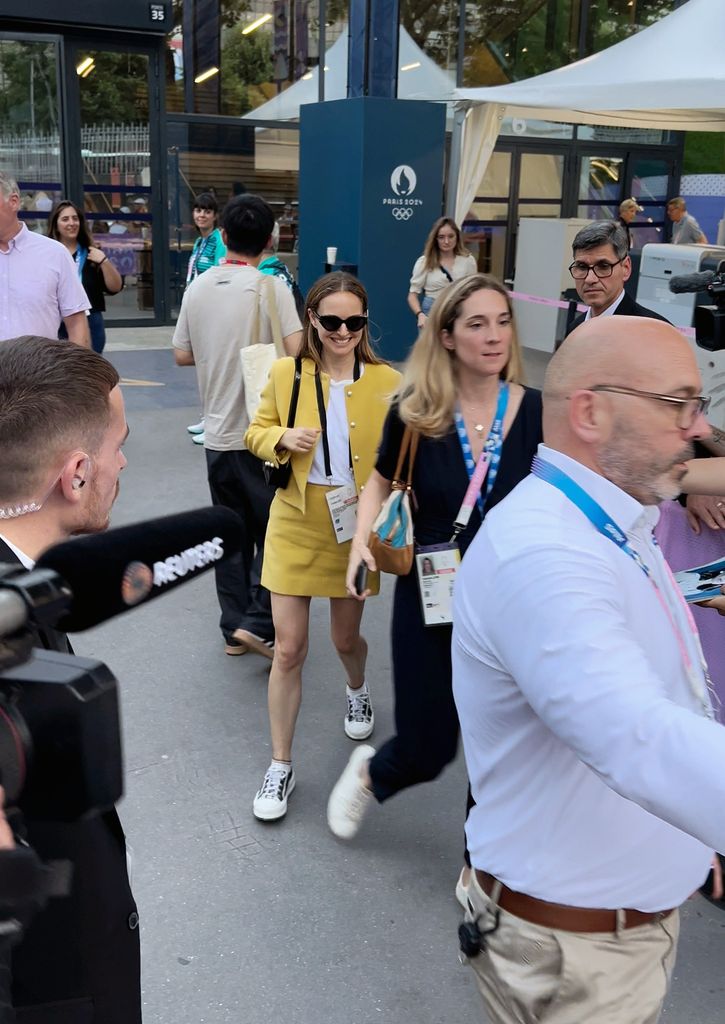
point(594, 760)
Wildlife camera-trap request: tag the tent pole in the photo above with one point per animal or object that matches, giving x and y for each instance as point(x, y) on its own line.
point(454, 163)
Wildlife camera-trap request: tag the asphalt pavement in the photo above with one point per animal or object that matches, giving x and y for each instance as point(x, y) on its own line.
point(262, 924)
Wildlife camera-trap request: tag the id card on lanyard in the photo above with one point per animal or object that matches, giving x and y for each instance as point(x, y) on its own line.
point(699, 681)
point(437, 564)
point(341, 501)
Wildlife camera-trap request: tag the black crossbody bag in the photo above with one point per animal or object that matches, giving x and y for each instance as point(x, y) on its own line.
point(279, 476)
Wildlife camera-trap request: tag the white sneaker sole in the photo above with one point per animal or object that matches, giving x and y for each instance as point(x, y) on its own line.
point(351, 729)
point(276, 814)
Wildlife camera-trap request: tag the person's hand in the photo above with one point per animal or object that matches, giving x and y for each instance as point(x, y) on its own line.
point(96, 255)
point(359, 552)
point(707, 509)
point(421, 320)
point(299, 439)
point(718, 603)
point(7, 839)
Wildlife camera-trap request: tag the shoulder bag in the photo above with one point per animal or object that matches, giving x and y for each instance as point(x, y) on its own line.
point(257, 357)
point(279, 476)
point(391, 537)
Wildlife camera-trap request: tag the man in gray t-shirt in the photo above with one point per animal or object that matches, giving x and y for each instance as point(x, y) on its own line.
point(686, 230)
point(217, 318)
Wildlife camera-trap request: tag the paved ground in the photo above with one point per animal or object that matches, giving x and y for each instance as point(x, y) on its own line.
point(268, 924)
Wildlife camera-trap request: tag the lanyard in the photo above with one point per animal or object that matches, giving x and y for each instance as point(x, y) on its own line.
point(80, 257)
point(323, 417)
point(487, 466)
point(605, 525)
point(204, 243)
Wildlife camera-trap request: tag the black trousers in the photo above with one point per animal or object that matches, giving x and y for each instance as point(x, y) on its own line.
point(236, 481)
point(426, 720)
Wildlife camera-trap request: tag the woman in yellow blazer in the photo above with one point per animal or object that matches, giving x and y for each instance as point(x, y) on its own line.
point(344, 395)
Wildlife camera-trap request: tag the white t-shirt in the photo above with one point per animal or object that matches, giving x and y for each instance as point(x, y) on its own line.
point(338, 438)
point(215, 322)
point(434, 281)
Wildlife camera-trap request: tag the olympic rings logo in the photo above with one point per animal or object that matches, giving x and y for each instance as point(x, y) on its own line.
point(402, 213)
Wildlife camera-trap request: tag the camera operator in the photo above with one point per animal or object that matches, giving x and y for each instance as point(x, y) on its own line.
point(62, 428)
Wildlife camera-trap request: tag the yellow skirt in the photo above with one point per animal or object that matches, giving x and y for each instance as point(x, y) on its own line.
point(301, 554)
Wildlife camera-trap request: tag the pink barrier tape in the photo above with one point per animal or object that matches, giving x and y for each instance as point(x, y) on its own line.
point(688, 332)
point(556, 303)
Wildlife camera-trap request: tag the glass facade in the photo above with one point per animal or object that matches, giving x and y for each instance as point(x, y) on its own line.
point(214, 106)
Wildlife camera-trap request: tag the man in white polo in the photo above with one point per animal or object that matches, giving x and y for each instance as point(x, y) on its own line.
point(595, 762)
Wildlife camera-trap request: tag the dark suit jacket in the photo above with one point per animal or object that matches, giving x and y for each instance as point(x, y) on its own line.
point(627, 307)
point(79, 962)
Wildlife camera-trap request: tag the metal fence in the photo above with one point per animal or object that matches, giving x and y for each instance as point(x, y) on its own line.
point(119, 148)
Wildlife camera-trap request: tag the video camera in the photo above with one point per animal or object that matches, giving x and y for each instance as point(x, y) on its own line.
point(709, 319)
point(60, 737)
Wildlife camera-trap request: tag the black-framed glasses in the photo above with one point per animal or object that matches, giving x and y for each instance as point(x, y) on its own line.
point(688, 411)
point(334, 323)
point(602, 268)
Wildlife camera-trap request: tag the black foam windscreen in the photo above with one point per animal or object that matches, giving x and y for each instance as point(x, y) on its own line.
point(109, 573)
point(691, 282)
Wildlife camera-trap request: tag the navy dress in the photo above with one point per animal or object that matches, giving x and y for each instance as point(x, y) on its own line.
point(426, 722)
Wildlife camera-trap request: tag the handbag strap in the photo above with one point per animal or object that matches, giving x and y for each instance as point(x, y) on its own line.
point(409, 447)
point(266, 287)
point(295, 393)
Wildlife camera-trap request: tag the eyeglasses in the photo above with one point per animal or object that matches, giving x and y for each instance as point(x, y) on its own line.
point(602, 268)
point(334, 323)
point(689, 408)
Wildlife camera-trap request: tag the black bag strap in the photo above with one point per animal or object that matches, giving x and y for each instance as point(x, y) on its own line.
point(294, 397)
point(444, 271)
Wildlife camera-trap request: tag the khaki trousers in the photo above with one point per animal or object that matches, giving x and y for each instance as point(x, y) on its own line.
point(532, 975)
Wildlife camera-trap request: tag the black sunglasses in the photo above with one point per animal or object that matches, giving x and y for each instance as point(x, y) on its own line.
point(334, 323)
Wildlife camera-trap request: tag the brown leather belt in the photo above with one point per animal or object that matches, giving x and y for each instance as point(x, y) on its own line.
point(564, 918)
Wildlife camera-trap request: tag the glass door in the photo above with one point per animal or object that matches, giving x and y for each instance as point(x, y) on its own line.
point(30, 147)
point(118, 117)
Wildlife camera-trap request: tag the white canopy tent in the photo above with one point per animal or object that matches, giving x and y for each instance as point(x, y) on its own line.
point(419, 78)
point(668, 76)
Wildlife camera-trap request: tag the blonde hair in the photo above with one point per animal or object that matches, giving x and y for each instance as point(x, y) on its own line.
point(428, 392)
point(339, 281)
point(431, 252)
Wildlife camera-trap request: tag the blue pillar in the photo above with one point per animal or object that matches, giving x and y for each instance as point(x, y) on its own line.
point(372, 68)
point(371, 185)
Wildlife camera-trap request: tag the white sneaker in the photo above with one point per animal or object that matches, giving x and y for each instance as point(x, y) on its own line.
point(270, 803)
point(199, 438)
point(360, 718)
point(350, 797)
point(196, 428)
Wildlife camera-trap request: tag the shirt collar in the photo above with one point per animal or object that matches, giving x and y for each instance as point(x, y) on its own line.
point(18, 241)
point(25, 561)
point(625, 510)
point(609, 310)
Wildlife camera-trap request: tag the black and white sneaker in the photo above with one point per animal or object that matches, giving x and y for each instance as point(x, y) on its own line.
point(270, 803)
point(360, 717)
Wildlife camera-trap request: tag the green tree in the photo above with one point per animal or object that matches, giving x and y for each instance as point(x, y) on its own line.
point(246, 61)
point(28, 95)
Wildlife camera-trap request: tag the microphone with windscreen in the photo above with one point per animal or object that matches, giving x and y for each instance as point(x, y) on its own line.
point(684, 283)
point(108, 573)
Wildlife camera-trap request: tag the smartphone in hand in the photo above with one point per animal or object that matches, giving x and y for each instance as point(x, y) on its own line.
point(361, 578)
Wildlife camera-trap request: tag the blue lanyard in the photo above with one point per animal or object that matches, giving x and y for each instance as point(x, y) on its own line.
point(586, 504)
point(80, 255)
point(200, 247)
point(608, 528)
point(492, 446)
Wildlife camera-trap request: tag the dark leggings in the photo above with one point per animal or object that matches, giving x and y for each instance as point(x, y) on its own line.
point(426, 720)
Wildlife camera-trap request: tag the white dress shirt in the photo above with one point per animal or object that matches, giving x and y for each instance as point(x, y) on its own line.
point(609, 311)
point(39, 285)
point(599, 780)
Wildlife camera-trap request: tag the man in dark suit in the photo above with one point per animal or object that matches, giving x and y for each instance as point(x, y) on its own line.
point(600, 269)
point(62, 427)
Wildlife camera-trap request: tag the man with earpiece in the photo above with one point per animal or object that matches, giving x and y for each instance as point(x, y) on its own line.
point(62, 430)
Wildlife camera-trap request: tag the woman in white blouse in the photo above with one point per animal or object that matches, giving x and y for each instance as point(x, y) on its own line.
point(445, 259)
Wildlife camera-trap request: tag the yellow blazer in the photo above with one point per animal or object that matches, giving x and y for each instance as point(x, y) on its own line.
point(367, 401)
